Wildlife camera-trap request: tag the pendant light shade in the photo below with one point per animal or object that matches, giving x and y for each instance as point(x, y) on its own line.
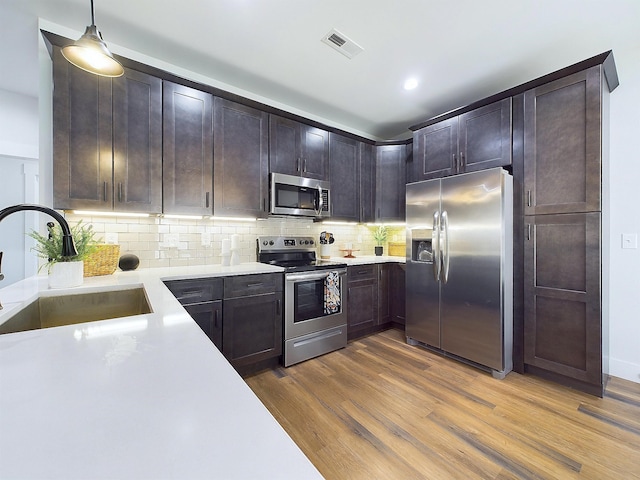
point(91, 54)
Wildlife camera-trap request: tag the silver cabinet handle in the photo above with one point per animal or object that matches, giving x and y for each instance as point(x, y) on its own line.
point(105, 185)
point(435, 245)
point(528, 231)
point(455, 163)
point(304, 165)
point(528, 198)
point(298, 164)
point(206, 200)
point(445, 251)
point(120, 192)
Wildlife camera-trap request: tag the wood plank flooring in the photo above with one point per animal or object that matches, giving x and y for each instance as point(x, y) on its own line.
point(381, 409)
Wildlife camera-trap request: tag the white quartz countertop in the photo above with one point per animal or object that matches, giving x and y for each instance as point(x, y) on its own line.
point(141, 397)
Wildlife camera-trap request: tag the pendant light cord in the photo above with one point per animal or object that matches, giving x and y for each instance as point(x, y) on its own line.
point(93, 21)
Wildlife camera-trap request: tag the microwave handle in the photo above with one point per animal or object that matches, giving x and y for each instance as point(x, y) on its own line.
point(320, 201)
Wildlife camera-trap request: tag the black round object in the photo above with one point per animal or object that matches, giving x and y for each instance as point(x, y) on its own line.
point(128, 261)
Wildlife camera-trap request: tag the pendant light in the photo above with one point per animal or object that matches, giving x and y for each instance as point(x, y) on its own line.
point(91, 54)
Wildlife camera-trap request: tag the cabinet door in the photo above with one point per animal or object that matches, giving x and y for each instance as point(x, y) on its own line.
point(384, 304)
point(137, 142)
point(484, 137)
point(397, 294)
point(367, 183)
point(285, 151)
point(563, 331)
point(390, 183)
point(241, 160)
point(252, 329)
point(208, 316)
point(187, 150)
point(435, 151)
point(344, 161)
point(562, 145)
point(362, 298)
point(315, 152)
point(82, 144)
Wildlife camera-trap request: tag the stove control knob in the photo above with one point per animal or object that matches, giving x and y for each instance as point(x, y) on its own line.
point(264, 242)
point(270, 242)
point(311, 242)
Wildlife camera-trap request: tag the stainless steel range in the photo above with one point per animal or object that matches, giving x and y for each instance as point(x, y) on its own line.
point(315, 313)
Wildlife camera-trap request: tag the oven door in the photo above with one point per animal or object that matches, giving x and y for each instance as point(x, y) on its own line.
point(307, 308)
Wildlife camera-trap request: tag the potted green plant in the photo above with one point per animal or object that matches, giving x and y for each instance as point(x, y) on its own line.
point(380, 236)
point(64, 272)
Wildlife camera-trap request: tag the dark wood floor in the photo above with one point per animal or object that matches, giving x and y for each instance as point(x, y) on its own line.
point(380, 409)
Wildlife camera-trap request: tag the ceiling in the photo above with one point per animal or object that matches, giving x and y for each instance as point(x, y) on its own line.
point(459, 50)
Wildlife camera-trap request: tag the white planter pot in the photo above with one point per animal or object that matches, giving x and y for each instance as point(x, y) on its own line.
point(66, 274)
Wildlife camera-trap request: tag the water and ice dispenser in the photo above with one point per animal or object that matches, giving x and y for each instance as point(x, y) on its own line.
point(421, 246)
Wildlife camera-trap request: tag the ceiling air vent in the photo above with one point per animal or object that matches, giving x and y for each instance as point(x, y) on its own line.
point(342, 43)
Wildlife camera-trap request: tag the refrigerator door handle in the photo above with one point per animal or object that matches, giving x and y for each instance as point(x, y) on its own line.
point(445, 251)
point(435, 245)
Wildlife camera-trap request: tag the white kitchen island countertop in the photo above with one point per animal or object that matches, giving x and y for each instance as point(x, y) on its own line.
point(140, 397)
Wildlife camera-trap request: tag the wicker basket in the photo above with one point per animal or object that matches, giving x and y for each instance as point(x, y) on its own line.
point(103, 261)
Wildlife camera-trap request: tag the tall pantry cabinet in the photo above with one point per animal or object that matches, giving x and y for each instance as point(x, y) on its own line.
point(564, 150)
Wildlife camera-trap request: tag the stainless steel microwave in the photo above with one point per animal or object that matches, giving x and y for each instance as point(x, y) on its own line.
point(291, 195)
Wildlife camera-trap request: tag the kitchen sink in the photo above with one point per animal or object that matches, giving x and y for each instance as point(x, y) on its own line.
point(55, 311)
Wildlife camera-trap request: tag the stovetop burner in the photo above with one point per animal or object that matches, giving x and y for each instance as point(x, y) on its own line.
point(295, 254)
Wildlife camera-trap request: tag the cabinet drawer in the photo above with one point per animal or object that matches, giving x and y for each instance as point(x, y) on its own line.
point(198, 290)
point(245, 285)
point(362, 272)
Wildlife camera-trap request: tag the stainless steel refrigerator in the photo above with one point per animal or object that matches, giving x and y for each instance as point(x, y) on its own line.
point(459, 280)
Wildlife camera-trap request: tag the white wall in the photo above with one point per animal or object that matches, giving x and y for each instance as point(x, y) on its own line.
point(624, 184)
point(19, 127)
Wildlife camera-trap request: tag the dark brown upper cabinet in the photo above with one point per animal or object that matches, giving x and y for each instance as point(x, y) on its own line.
point(473, 141)
point(390, 175)
point(107, 140)
point(344, 161)
point(563, 145)
point(241, 160)
point(298, 149)
point(187, 150)
point(367, 182)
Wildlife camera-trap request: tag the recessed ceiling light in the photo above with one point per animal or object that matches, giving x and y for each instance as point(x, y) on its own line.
point(410, 83)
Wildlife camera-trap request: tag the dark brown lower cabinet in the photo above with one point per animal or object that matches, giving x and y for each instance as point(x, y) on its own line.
point(202, 299)
point(397, 294)
point(370, 302)
point(384, 303)
point(563, 328)
point(252, 329)
point(362, 300)
point(253, 318)
point(250, 333)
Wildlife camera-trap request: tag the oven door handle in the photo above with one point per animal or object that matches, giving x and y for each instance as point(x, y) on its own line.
point(302, 277)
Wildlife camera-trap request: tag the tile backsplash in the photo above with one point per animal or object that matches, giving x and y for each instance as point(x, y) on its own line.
point(164, 242)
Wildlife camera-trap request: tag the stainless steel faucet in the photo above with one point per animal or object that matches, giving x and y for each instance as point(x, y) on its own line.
point(68, 247)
